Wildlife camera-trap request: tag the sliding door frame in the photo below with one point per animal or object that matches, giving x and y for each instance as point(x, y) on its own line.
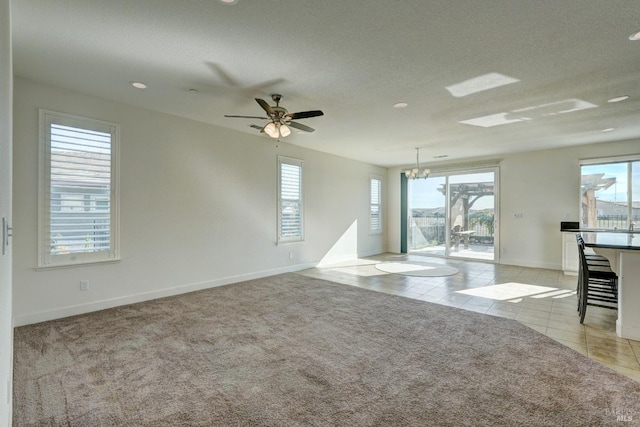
point(404, 208)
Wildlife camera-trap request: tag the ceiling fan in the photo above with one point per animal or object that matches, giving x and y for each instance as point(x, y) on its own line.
point(280, 120)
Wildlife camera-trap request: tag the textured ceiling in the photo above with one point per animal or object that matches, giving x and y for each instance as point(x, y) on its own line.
point(354, 60)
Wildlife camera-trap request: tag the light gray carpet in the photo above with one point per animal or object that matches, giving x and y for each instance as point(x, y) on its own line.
point(417, 268)
point(294, 351)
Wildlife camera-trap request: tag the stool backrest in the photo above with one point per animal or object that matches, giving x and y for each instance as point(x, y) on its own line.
point(583, 269)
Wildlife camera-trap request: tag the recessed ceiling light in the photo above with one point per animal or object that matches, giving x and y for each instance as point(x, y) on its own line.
point(608, 130)
point(635, 36)
point(139, 85)
point(618, 99)
point(400, 105)
point(229, 1)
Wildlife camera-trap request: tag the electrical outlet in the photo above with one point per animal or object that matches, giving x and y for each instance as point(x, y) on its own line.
point(518, 215)
point(84, 285)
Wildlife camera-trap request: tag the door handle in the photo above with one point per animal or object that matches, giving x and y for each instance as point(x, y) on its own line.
point(6, 233)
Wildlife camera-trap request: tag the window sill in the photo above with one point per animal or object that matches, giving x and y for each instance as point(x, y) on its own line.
point(77, 264)
point(288, 242)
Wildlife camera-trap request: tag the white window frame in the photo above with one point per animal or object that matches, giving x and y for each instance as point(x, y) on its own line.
point(606, 161)
point(373, 204)
point(298, 163)
point(45, 257)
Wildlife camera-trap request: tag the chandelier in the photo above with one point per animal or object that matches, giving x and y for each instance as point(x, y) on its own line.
point(417, 173)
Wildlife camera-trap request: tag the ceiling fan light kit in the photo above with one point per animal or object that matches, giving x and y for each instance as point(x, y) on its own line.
point(417, 173)
point(280, 120)
point(277, 130)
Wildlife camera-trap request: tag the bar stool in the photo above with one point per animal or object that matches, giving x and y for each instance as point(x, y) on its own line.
point(597, 286)
point(592, 259)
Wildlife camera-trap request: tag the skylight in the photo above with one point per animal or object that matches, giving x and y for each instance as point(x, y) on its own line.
point(530, 113)
point(480, 84)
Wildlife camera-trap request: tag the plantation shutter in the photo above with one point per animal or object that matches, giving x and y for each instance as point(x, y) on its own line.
point(78, 191)
point(290, 200)
point(375, 217)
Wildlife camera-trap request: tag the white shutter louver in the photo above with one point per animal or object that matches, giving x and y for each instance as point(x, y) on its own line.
point(78, 190)
point(375, 218)
point(290, 200)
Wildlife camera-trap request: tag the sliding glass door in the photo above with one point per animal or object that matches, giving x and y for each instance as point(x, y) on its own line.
point(472, 210)
point(453, 215)
point(427, 221)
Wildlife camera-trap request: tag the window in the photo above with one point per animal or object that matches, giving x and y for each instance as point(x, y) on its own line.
point(610, 193)
point(375, 214)
point(78, 190)
point(290, 208)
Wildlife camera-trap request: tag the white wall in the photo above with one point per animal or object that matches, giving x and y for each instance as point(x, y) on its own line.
point(197, 208)
point(6, 327)
point(543, 186)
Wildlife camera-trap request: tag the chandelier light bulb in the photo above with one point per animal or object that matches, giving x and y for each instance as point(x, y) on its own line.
point(284, 131)
point(271, 130)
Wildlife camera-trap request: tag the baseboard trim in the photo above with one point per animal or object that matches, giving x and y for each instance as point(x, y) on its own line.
point(370, 253)
point(525, 263)
point(336, 260)
point(628, 332)
point(74, 310)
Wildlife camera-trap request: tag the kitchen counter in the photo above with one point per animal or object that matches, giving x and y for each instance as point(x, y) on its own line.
point(612, 239)
point(622, 248)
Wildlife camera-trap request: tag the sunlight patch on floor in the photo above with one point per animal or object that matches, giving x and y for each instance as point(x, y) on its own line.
point(507, 291)
point(560, 293)
point(404, 267)
point(363, 271)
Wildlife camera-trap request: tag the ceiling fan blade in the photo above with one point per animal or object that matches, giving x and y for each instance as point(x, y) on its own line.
point(266, 107)
point(247, 117)
point(260, 128)
point(261, 86)
point(304, 115)
point(224, 76)
point(300, 126)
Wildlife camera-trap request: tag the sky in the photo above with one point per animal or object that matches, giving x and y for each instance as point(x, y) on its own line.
point(618, 191)
point(423, 193)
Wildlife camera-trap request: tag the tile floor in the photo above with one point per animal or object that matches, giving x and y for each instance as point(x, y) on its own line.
point(544, 300)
